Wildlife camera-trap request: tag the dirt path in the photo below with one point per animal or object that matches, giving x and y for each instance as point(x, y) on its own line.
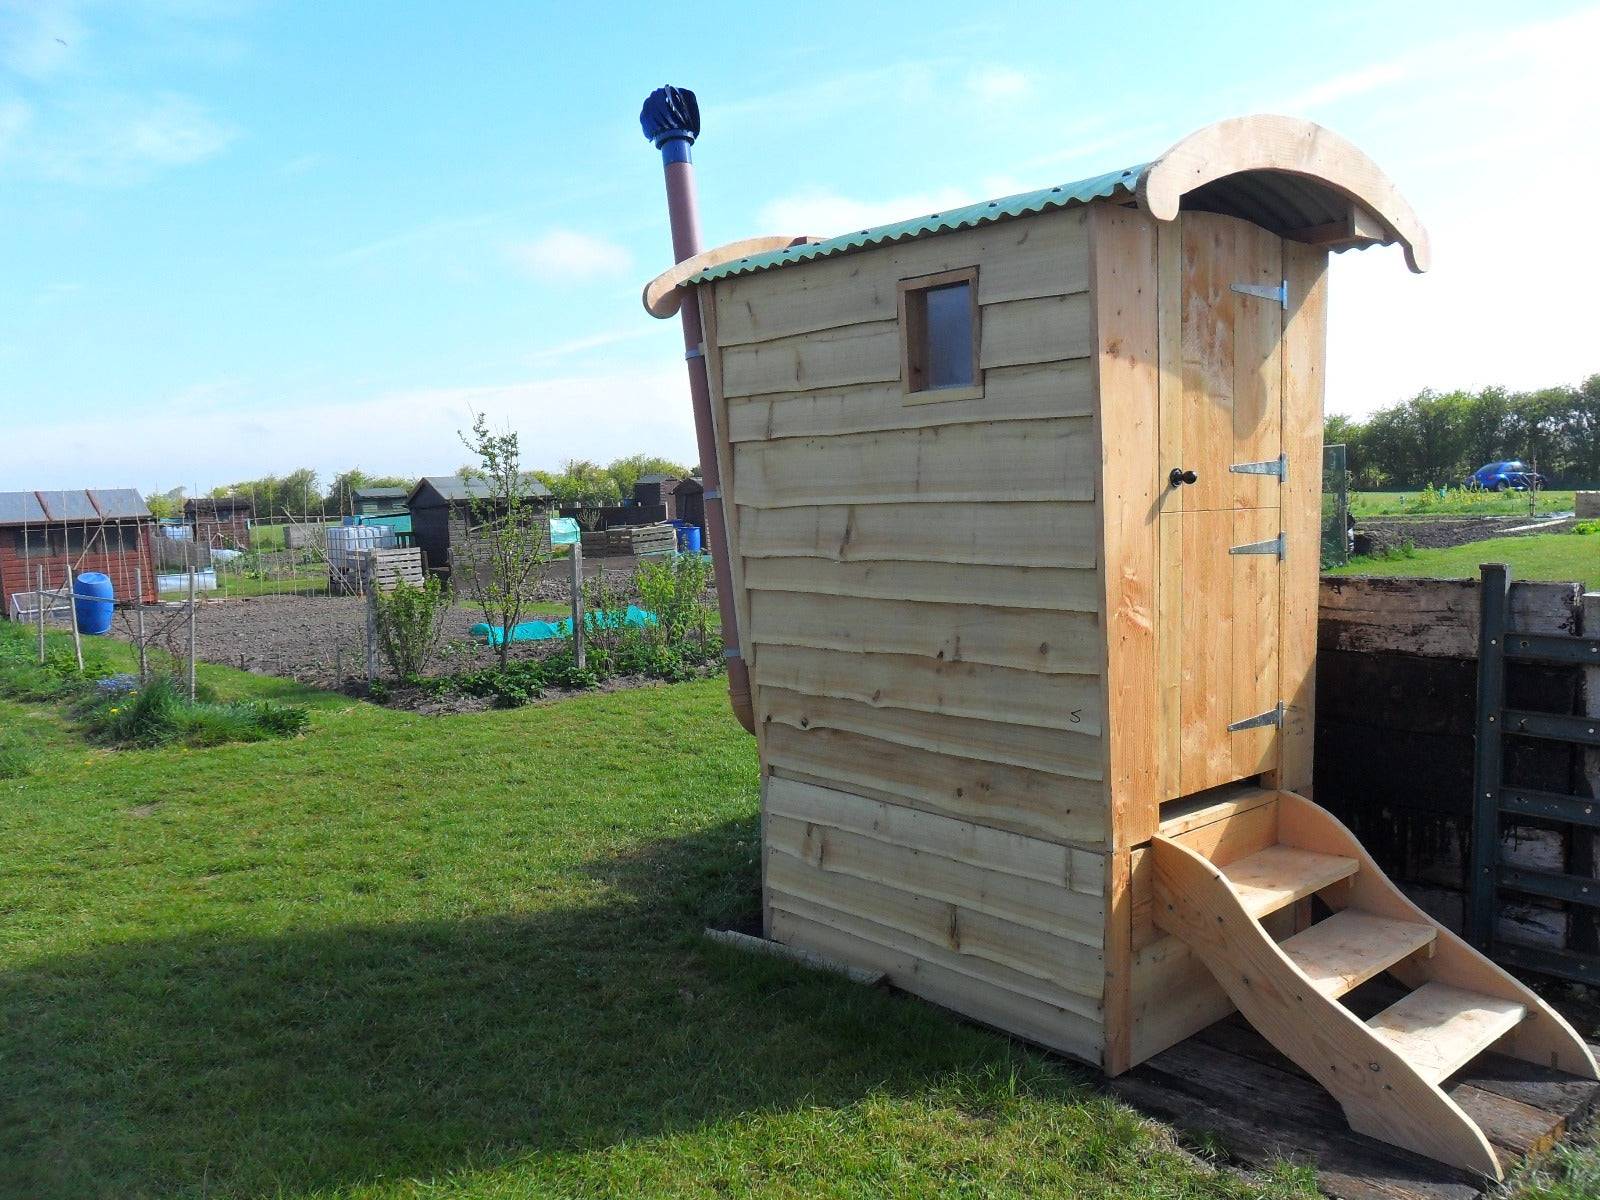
point(1376, 534)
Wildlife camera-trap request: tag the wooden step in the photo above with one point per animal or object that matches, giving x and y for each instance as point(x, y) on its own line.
point(1276, 877)
point(1351, 947)
point(1438, 1029)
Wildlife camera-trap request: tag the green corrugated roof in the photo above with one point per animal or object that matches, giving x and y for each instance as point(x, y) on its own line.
point(1100, 187)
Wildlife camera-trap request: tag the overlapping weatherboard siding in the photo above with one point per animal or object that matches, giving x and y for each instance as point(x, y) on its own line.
point(920, 597)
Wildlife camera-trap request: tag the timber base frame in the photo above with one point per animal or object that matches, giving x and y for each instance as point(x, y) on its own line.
point(1386, 1073)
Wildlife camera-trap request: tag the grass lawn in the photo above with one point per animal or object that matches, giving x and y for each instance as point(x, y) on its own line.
point(1558, 556)
point(452, 957)
point(1455, 502)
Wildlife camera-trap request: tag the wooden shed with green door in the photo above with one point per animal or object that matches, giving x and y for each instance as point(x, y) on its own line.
point(1022, 504)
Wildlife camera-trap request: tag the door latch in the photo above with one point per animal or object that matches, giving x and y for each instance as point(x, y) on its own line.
point(1266, 291)
point(1273, 716)
point(1177, 477)
point(1273, 466)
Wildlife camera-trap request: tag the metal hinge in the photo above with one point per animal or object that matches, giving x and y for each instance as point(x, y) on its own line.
point(1266, 291)
point(1273, 716)
point(1273, 466)
point(1275, 545)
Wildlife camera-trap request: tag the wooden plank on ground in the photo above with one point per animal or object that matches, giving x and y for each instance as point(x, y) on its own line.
point(1432, 617)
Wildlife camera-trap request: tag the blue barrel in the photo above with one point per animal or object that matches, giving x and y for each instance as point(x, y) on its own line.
point(93, 597)
point(691, 540)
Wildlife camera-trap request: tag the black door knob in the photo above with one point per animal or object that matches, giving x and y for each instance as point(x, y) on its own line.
point(1178, 476)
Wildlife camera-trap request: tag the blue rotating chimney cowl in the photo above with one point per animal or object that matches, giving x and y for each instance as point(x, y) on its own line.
point(671, 119)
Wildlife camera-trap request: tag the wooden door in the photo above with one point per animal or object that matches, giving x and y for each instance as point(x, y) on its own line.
point(1222, 419)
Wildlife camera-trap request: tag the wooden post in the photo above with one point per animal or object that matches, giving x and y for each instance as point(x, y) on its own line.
point(72, 611)
point(1583, 852)
point(577, 604)
point(138, 617)
point(372, 637)
point(191, 632)
point(38, 606)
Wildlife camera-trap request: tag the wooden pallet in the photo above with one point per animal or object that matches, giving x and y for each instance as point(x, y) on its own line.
point(641, 539)
point(1227, 1084)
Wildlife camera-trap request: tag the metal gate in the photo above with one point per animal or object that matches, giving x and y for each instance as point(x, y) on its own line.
point(1335, 506)
point(1498, 644)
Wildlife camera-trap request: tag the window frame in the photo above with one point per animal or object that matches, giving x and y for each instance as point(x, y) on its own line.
point(914, 337)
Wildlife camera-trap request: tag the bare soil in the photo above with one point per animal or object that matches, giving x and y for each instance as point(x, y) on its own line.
point(1377, 534)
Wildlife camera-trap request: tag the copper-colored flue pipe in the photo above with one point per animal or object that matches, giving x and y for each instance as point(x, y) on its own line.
point(671, 120)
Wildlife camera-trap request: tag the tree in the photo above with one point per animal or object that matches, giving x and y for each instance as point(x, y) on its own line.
point(508, 542)
point(338, 501)
point(626, 472)
point(165, 506)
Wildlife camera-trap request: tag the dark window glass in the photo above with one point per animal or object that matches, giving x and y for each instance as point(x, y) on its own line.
point(950, 336)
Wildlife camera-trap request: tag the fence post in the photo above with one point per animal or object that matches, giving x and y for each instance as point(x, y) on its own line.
point(138, 617)
point(372, 636)
point(72, 611)
point(1487, 767)
point(578, 656)
point(191, 633)
point(1583, 854)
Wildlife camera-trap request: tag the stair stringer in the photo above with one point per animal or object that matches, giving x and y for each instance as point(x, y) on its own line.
point(1544, 1037)
point(1382, 1095)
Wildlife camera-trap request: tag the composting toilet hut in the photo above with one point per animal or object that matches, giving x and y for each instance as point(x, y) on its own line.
point(1022, 509)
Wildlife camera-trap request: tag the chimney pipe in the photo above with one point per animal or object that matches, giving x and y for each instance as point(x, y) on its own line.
point(670, 118)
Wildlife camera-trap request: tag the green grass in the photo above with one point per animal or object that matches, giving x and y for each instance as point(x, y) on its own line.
point(1559, 556)
point(411, 957)
point(1455, 502)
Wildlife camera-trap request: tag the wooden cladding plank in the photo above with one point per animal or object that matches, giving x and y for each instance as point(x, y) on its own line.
point(998, 952)
point(978, 845)
point(1070, 589)
point(1036, 534)
point(1036, 331)
point(835, 358)
point(1071, 754)
point(1052, 642)
point(1032, 392)
point(1045, 255)
point(1305, 269)
point(1001, 796)
point(1044, 907)
point(1008, 460)
point(1057, 1028)
point(1435, 618)
point(1123, 244)
point(956, 689)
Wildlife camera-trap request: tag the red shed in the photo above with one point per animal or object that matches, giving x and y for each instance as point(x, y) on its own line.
point(106, 529)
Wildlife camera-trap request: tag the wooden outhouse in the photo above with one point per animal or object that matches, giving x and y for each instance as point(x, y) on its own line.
point(1022, 504)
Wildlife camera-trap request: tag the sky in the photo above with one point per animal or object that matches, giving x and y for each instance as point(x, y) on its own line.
point(237, 238)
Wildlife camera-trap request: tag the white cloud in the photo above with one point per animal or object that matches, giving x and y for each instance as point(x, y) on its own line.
point(109, 139)
point(191, 438)
point(826, 213)
point(998, 83)
point(564, 254)
point(39, 37)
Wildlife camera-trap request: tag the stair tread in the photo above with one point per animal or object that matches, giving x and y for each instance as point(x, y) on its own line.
point(1351, 946)
point(1438, 1028)
point(1273, 878)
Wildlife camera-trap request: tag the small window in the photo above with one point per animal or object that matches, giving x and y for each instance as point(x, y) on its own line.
point(939, 336)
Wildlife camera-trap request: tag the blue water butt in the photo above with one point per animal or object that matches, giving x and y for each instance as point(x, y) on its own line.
point(93, 596)
point(691, 540)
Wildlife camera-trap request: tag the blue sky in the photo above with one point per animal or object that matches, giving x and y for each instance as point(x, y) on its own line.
point(237, 238)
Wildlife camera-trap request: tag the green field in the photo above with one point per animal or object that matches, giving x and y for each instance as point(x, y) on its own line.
point(461, 957)
point(1454, 502)
point(1560, 556)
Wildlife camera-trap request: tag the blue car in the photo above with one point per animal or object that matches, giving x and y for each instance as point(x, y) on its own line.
point(1498, 476)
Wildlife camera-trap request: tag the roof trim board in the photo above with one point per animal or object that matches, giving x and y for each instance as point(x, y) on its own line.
point(1286, 174)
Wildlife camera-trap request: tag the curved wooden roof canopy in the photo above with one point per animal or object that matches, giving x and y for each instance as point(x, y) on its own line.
point(1293, 177)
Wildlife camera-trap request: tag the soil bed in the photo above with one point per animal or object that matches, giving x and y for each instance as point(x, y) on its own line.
point(1374, 535)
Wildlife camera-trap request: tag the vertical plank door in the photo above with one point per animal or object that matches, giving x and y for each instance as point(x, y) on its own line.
point(1221, 409)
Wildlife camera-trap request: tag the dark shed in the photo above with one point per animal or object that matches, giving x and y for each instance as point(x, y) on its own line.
point(441, 513)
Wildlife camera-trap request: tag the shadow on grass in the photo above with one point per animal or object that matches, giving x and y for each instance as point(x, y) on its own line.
point(324, 1059)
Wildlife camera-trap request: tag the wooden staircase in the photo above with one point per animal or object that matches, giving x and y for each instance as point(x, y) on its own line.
point(1385, 1072)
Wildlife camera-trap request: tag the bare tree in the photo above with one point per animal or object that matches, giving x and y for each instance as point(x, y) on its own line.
point(508, 542)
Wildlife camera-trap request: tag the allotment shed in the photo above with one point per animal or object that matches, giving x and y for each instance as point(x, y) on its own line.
point(220, 522)
point(65, 533)
point(1022, 506)
point(442, 516)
